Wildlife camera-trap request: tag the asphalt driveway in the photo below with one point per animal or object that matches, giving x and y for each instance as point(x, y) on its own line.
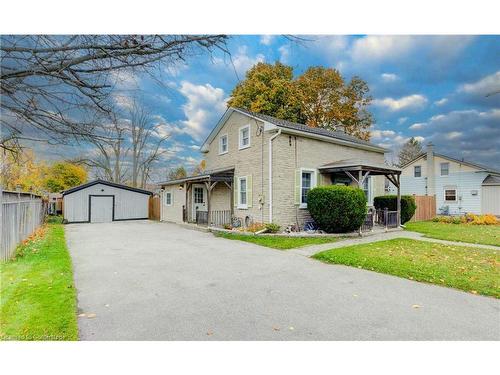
point(155, 281)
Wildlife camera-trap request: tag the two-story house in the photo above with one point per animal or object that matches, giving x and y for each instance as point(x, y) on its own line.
point(460, 186)
point(260, 168)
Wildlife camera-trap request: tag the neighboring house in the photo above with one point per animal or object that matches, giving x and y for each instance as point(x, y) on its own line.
point(242, 179)
point(103, 201)
point(459, 186)
point(55, 202)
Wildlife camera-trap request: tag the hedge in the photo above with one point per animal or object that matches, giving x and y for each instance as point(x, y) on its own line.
point(408, 205)
point(337, 209)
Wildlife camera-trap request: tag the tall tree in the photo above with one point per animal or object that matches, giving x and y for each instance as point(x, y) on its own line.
point(54, 86)
point(410, 150)
point(22, 170)
point(200, 168)
point(177, 173)
point(268, 89)
point(64, 175)
point(319, 98)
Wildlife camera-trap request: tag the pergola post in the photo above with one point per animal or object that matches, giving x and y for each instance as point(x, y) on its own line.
point(399, 199)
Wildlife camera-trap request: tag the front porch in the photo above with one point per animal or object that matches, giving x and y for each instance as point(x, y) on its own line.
point(356, 172)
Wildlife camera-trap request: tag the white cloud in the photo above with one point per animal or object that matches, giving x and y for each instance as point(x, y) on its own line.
point(402, 120)
point(242, 61)
point(453, 135)
point(284, 51)
point(205, 104)
point(124, 79)
point(417, 125)
point(484, 86)
point(441, 102)
point(123, 101)
point(380, 47)
point(266, 39)
point(415, 101)
point(379, 134)
point(389, 77)
point(420, 139)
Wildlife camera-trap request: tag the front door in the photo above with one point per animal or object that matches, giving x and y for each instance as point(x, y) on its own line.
point(199, 199)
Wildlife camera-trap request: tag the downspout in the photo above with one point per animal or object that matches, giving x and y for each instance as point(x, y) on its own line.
point(271, 175)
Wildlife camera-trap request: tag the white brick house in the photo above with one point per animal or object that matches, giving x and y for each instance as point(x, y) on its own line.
point(260, 168)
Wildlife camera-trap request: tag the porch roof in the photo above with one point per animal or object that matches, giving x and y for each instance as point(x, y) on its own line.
point(359, 165)
point(223, 174)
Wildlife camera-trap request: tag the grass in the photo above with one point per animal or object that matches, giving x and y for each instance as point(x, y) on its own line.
point(479, 234)
point(38, 300)
point(466, 268)
point(278, 242)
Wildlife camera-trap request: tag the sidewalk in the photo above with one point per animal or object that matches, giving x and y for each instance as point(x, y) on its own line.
point(313, 249)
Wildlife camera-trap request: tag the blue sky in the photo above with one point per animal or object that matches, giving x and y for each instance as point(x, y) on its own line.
point(432, 87)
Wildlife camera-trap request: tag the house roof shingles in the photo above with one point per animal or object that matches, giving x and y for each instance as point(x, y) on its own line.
point(307, 129)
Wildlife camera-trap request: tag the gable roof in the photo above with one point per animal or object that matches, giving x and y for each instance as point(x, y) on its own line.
point(465, 162)
point(112, 184)
point(305, 130)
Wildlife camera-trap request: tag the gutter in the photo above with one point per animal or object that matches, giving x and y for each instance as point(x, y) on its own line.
point(271, 175)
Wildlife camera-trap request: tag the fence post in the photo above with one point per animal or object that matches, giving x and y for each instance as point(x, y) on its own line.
point(386, 217)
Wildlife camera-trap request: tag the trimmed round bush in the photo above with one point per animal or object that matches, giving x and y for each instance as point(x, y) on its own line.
point(337, 209)
point(408, 205)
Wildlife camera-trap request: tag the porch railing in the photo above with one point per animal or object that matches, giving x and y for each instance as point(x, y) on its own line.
point(386, 218)
point(369, 221)
point(201, 217)
point(220, 218)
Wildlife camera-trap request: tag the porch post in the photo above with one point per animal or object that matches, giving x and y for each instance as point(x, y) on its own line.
point(209, 194)
point(186, 205)
point(360, 179)
point(399, 199)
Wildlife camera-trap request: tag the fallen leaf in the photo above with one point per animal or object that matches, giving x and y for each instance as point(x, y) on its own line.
point(82, 315)
point(92, 315)
point(291, 328)
point(276, 328)
point(354, 295)
point(210, 333)
point(473, 291)
point(416, 306)
point(106, 305)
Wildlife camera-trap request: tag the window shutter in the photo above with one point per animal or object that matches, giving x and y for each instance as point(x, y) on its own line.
point(249, 191)
point(235, 191)
point(297, 186)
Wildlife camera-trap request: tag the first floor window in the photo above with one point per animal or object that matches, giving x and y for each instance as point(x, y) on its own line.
point(450, 195)
point(243, 192)
point(168, 198)
point(306, 186)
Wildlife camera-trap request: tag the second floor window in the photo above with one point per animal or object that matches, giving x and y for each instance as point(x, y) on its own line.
point(417, 171)
point(445, 169)
point(245, 137)
point(223, 144)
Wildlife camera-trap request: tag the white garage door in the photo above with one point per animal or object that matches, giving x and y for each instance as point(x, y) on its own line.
point(490, 201)
point(101, 209)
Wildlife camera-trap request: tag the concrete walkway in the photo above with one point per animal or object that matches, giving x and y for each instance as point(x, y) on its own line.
point(311, 250)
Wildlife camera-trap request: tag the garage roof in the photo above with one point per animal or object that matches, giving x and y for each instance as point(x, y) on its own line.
point(112, 184)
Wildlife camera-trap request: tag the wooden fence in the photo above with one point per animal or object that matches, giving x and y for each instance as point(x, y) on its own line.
point(154, 208)
point(19, 220)
point(426, 207)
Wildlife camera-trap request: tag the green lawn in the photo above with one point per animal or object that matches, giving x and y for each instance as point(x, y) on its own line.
point(278, 242)
point(481, 234)
point(467, 268)
point(38, 300)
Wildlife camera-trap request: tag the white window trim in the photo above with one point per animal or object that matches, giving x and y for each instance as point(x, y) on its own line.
point(441, 170)
point(444, 195)
point(414, 171)
point(240, 205)
point(314, 181)
point(220, 144)
point(166, 201)
point(240, 139)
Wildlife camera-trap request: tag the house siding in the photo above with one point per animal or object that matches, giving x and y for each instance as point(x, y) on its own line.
point(464, 178)
point(173, 212)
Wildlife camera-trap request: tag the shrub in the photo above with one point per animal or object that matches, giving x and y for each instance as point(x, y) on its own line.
point(272, 227)
point(337, 209)
point(408, 205)
point(472, 219)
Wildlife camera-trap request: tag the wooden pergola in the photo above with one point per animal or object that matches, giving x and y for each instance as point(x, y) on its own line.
point(359, 170)
point(210, 179)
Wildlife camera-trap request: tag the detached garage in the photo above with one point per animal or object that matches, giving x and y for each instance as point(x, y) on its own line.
point(490, 195)
point(102, 202)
